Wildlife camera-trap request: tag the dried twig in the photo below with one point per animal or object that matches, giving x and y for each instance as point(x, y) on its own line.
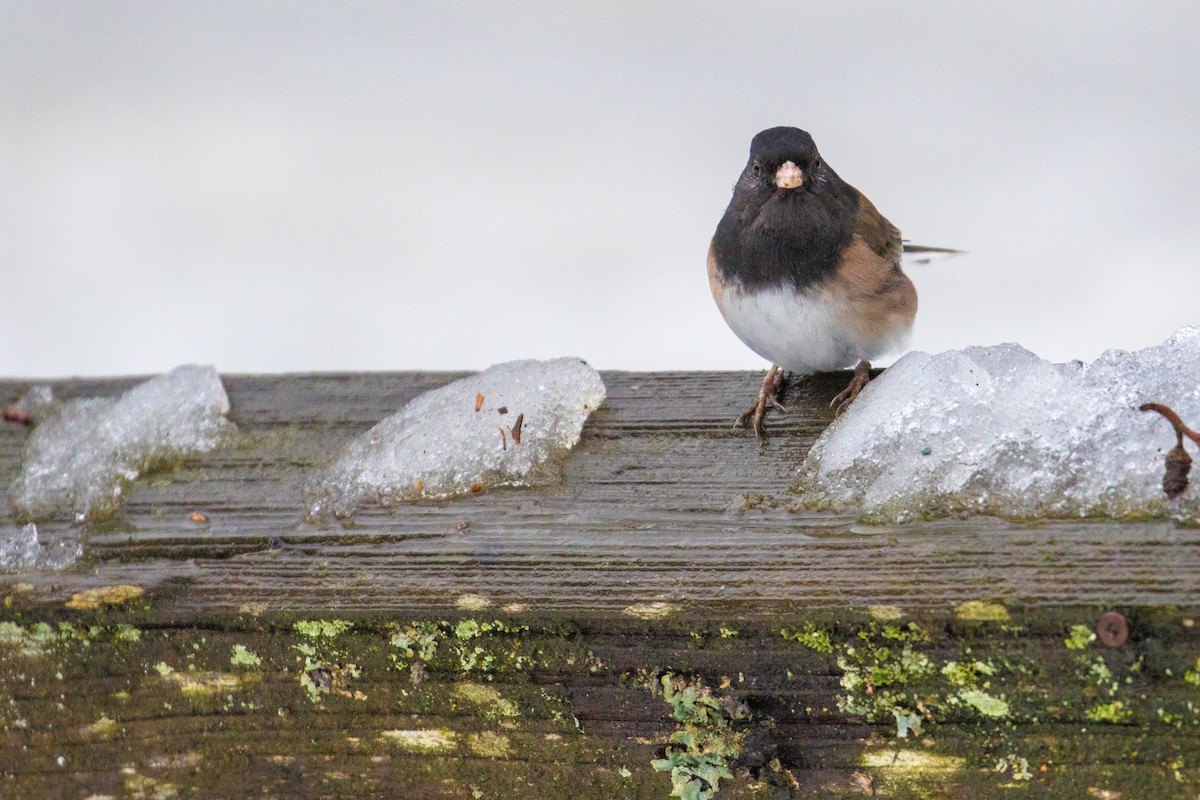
point(1173, 418)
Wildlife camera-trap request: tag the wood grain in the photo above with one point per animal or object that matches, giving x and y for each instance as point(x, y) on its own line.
point(661, 501)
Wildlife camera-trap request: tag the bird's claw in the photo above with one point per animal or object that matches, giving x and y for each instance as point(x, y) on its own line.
point(767, 398)
point(843, 399)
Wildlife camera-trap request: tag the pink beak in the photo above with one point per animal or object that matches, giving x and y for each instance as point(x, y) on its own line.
point(788, 176)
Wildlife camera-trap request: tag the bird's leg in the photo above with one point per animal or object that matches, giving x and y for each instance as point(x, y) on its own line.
point(862, 376)
point(768, 397)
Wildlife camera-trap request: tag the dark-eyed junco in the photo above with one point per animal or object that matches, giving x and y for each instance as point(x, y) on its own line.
point(806, 271)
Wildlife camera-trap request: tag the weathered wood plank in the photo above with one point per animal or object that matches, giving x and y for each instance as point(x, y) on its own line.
point(124, 703)
point(661, 501)
point(669, 549)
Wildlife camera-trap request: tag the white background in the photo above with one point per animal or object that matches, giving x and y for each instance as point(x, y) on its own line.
point(344, 186)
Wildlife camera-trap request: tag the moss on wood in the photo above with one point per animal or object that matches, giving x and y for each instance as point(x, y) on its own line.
point(127, 701)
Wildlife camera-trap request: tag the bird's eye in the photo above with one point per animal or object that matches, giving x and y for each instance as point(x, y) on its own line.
point(816, 163)
point(755, 170)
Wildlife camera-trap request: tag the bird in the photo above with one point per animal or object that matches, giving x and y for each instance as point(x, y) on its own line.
point(807, 272)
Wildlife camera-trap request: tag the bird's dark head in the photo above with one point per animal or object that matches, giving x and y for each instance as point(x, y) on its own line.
point(783, 159)
point(789, 217)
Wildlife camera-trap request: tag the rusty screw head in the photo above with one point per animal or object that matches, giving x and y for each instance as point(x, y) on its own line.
point(1112, 630)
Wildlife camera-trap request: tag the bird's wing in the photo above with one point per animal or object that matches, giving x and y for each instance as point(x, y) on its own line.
point(876, 231)
point(884, 238)
point(879, 300)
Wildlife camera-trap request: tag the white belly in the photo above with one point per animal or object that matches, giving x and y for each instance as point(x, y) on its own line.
point(801, 332)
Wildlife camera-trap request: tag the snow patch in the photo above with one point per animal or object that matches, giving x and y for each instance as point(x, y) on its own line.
point(21, 550)
point(84, 452)
point(998, 430)
point(510, 425)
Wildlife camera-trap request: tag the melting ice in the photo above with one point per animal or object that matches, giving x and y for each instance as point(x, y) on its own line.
point(21, 549)
point(460, 438)
point(998, 430)
point(84, 452)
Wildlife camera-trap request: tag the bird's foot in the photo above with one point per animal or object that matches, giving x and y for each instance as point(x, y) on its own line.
point(862, 376)
point(768, 397)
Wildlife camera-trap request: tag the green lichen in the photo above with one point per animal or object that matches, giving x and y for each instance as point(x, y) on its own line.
point(29, 644)
point(810, 636)
point(143, 787)
point(912, 772)
point(312, 685)
point(980, 611)
point(102, 728)
point(886, 613)
point(1115, 712)
point(422, 740)
point(908, 761)
point(127, 633)
point(967, 674)
point(969, 680)
point(984, 703)
point(319, 680)
point(1108, 679)
point(241, 656)
point(709, 738)
point(1192, 676)
point(41, 638)
point(489, 744)
point(419, 641)
point(882, 670)
point(322, 670)
point(974, 703)
point(887, 674)
point(1015, 766)
point(487, 698)
point(906, 723)
point(423, 641)
point(1100, 674)
point(322, 628)
point(204, 683)
point(475, 693)
point(467, 629)
point(475, 658)
point(1079, 637)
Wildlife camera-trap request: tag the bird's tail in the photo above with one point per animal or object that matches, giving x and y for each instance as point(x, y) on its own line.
point(919, 254)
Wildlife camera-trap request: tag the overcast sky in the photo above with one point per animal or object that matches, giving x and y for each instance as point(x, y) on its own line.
point(300, 186)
